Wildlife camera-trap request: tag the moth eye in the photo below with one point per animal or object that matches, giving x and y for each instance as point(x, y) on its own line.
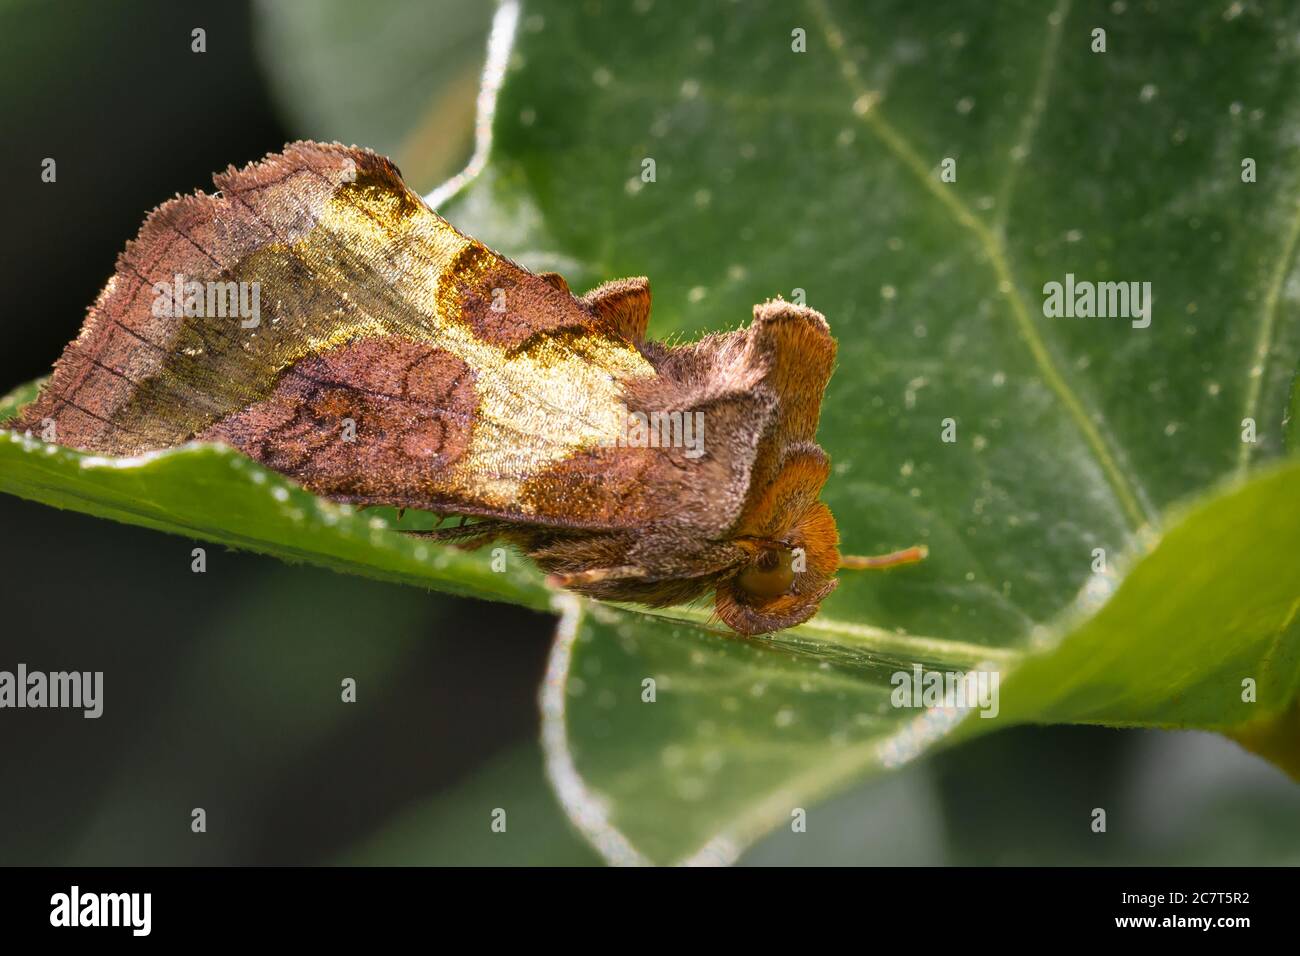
point(770, 576)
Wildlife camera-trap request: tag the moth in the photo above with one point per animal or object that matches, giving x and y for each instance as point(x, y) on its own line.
point(315, 314)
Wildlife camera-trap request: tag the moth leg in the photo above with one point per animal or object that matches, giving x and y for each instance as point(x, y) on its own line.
point(462, 531)
point(556, 280)
point(856, 562)
point(623, 306)
point(468, 537)
point(570, 579)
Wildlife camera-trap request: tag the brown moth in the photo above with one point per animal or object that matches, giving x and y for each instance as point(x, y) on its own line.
point(317, 316)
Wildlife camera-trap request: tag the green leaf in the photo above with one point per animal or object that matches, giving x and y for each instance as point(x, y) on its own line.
point(397, 77)
point(213, 493)
point(1072, 434)
point(778, 171)
point(1291, 424)
point(1101, 536)
point(741, 734)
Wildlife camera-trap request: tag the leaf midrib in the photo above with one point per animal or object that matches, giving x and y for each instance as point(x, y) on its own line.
point(861, 637)
point(1132, 503)
point(1264, 337)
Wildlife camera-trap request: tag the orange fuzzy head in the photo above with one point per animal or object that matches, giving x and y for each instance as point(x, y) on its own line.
point(793, 548)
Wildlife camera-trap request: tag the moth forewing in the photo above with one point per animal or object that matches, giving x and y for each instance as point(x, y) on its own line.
point(387, 358)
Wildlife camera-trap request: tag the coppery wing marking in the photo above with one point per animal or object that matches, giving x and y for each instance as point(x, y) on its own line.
point(64, 400)
point(291, 223)
point(211, 258)
point(119, 309)
point(247, 381)
point(379, 287)
point(614, 487)
point(556, 280)
point(623, 307)
point(412, 407)
point(504, 304)
point(408, 205)
point(73, 390)
point(118, 372)
point(170, 384)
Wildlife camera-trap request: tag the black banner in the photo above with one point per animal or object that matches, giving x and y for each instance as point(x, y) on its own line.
point(334, 905)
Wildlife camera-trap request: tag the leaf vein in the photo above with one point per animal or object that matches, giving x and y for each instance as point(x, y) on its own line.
point(1037, 104)
point(1131, 501)
point(1264, 338)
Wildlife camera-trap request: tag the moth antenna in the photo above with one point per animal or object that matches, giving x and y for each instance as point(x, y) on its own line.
point(857, 562)
point(563, 579)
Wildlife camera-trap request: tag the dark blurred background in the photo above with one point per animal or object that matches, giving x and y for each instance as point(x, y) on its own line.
point(222, 688)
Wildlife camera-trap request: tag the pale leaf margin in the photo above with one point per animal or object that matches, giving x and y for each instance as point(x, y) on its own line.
point(1272, 735)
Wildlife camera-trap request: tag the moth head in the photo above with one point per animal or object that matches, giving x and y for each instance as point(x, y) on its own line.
point(790, 549)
